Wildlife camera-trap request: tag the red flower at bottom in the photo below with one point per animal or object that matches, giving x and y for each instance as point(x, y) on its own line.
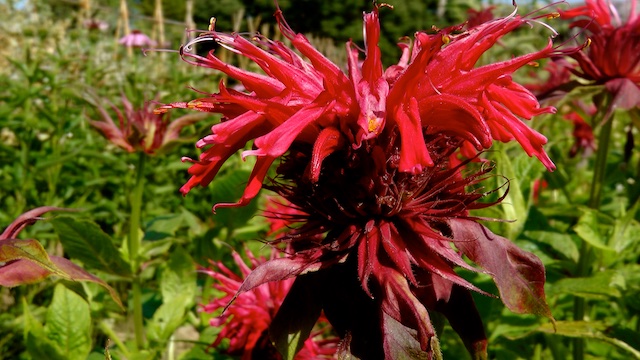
point(245, 321)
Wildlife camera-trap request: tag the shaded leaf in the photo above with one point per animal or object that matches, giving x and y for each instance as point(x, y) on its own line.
point(400, 341)
point(162, 227)
point(77, 273)
point(296, 317)
point(27, 218)
point(85, 241)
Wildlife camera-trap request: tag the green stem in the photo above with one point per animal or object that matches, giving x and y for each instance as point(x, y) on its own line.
point(106, 329)
point(595, 195)
point(134, 249)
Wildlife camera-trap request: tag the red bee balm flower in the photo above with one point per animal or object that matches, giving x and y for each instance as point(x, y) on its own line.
point(435, 86)
point(140, 129)
point(383, 212)
point(612, 56)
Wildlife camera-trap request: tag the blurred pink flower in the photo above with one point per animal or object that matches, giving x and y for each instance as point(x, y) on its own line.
point(137, 39)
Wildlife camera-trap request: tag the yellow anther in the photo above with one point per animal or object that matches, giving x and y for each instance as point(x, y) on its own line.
point(534, 64)
point(373, 124)
point(446, 39)
point(553, 15)
point(588, 43)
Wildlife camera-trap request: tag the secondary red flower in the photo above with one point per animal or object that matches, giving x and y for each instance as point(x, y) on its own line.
point(140, 129)
point(436, 87)
point(245, 322)
point(582, 131)
point(612, 58)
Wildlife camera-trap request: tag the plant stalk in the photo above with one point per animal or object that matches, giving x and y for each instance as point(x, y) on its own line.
point(595, 195)
point(134, 250)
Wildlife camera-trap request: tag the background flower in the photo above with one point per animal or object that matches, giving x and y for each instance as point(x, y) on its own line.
point(140, 129)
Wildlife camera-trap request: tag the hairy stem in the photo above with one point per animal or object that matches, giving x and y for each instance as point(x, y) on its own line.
point(134, 249)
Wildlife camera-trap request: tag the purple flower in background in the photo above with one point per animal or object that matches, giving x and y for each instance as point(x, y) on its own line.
point(137, 39)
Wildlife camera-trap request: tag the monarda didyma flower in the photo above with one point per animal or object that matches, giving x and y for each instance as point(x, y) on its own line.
point(140, 129)
point(369, 159)
point(611, 59)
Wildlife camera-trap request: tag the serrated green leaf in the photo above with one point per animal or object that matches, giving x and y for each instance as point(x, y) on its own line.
point(69, 323)
point(38, 345)
point(588, 329)
point(85, 241)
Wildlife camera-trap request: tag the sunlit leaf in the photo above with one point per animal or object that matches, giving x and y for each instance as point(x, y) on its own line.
point(591, 330)
point(69, 323)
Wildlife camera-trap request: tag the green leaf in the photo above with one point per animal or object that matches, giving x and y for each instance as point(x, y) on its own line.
point(626, 230)
point(162, 227)
point(559, 242)
point(69, 323)
point(589, 329)
point(179, 277)
point(167, 319)
point(514, 204)
point(85, 241)
point(602, 285)
point(38, 345)
point(588, 228)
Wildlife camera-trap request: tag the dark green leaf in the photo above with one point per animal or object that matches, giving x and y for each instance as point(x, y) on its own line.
point(296, 317)
point(85, 241)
